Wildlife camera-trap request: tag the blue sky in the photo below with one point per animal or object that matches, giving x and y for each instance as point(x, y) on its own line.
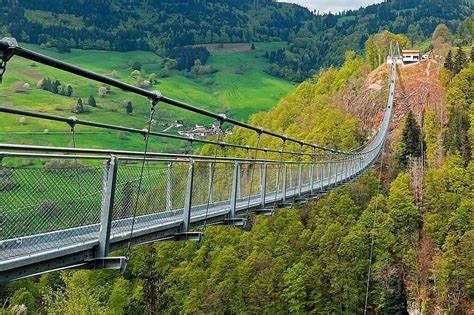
point(333, 5)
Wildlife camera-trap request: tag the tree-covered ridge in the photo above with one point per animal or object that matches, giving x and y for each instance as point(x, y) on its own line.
point(309, 113)
point(148, 25)
point(315, 41)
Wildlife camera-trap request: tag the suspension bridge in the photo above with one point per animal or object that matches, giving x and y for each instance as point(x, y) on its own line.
point(60, 217)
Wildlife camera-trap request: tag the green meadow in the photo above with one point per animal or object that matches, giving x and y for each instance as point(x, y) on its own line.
point(240, 87)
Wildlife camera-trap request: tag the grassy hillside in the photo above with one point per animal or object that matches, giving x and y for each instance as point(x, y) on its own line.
point(239, 87)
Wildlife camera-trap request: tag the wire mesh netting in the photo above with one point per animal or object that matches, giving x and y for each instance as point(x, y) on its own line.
point(250, 180)
point(61, 201)
point(160, 197)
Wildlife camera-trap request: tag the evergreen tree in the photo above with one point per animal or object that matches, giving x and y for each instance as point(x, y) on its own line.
point(91, 101)
point(69, 91)
point(472, 55)
point(63, 47)
point(396, 298)
point(448, 63)
point(137, 66)
point(252, 47)
point(411, 145)
point(459, 60)
point(79, 108)
point(129, 107)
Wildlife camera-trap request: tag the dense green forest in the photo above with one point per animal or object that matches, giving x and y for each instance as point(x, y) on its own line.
point(411, 218)
point(314, 258)
point(314, 41)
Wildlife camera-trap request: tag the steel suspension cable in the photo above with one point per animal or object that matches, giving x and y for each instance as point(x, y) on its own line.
point(9, 47)
point(140, 179)
point(372, 238)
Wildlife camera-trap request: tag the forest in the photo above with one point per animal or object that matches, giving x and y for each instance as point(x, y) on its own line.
point(314, 40)
point(314, 258)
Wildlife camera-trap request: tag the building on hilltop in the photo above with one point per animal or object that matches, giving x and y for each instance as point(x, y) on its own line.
point(410, 56)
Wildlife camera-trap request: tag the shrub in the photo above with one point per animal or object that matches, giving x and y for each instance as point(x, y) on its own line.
point(137, 66)
point(103, 91)
point(50, 208)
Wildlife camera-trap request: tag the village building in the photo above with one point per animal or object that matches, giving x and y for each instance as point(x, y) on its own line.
point(410, 56)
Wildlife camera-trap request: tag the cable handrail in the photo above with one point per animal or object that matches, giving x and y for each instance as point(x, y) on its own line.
point(125, 153)
point(10, 48)
point(71, 121)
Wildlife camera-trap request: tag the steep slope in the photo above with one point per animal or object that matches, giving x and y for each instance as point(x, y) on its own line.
point(418, 89)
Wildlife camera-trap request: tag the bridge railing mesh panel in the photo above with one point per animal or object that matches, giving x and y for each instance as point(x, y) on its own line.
point(274, 181)
point(155, 204)
point(201, 184)
point(305, 175)
point(250, 180)
point(222, 187)
point(61, 201)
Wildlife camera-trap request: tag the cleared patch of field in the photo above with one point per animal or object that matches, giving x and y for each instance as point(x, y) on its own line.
point(240, 87)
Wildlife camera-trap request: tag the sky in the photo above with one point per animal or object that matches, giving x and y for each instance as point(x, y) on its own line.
point(333, 5)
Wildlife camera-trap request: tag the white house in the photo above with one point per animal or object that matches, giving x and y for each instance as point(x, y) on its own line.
point(410, 56)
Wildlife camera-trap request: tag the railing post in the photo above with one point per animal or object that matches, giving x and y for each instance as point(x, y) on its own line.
point(211, 186)
point(330, 173)
point(311, 178)
point(110, 179)
point(263, 183)
point(322, 167)
point(239, 185)
point(285, 174)
point(235, 188)
point(169, 186)
point(189, 199)
point(300, 178)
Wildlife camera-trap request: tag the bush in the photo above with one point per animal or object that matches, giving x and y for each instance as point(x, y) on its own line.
point(165, 72)
point(103, 91)
point(55, 165)
point(7, 182)
point(136, 73)
point(50, 208)
point(137, 66)
point(208, 81)
point(91, 101)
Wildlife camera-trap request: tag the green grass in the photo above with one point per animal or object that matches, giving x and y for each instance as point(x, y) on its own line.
point(240, 86)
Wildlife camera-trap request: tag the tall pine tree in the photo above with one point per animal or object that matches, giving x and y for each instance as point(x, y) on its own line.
point(459, 60)
point(411, 145)
point(448, 63)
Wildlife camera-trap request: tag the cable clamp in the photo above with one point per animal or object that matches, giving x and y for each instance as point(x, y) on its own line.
point(156, 99)
point(7, 46)
point(72, 122)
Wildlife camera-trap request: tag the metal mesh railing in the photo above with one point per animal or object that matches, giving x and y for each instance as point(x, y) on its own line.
point(59, 204)
point(157, 203)
point(62, 196)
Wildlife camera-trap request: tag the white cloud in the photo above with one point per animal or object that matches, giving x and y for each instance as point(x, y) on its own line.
point(333, 5)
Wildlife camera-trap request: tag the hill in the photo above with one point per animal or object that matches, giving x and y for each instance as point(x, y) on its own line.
point(314, 258)
point(315, 41)
point(238, 87)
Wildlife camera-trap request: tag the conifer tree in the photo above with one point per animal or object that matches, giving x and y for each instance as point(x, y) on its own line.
point(448, 63)
point(79, 108)
point(129, 107)
point(68, 90)
point(411, 145)
point(459, 60)
point(91, 101)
